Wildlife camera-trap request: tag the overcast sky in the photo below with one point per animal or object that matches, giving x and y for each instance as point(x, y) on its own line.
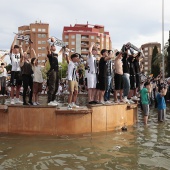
point(135, 21)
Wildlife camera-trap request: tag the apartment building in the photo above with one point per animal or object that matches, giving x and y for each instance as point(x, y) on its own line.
point(39, 33)
point(80, 37)
point(147, 50)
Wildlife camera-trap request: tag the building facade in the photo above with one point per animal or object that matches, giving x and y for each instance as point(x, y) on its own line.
point(80, 37)
point(39, 33)
point(148, 50)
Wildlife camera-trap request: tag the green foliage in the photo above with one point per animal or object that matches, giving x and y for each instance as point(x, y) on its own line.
point(45, 70)
point(8, 67)
point(63, 70)
point(155, 66)
point(168, 60)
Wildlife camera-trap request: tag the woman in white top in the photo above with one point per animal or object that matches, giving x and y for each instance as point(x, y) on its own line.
point(3, 76)
point(37, 79)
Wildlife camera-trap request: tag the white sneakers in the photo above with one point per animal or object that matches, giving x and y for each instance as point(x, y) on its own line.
point(52, 104)
point(12, 101)
point(71, 106)
point(16, 101)
point(55, 101)
point(74, 105)
point(135, 98)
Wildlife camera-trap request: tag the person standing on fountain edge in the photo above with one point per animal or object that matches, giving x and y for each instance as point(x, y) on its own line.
point(109, 77)
point(16, 77)
point(72, 80)
point(92, 77)
point(27, 72)
point(53, 77)
point(103, 74)
point(118, 77)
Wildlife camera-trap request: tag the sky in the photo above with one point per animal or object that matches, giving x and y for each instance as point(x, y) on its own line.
point(135, 21)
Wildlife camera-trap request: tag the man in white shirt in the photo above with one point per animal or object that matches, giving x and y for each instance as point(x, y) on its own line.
point(72, 80)
point(15, 80)
point(92, 78)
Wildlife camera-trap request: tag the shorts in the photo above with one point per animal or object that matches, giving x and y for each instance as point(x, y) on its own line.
point(102, 83)
point(37, 87)
point(91, 81)
point(72, 86)
point(145, 108)
point(118, 82)
point(16, 78)
point(132, 82)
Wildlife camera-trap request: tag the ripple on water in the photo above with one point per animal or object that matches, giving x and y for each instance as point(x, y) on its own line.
point(155, 162)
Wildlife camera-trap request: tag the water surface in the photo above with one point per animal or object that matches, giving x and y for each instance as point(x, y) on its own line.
point(140, 148)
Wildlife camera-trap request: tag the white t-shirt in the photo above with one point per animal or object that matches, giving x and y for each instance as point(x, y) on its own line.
point(72, 69)
point(4, 73)
point(37, 74)
point(91, 60)
point(15, 61)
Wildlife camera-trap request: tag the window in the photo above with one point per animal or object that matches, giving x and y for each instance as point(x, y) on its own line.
point(39, 30)
point(43, 48)
point(43, 42)
point(66, 43)
point(146, 68)
point(66, 36)
point(39, 54)
point(146, 48)
point(146, 63)
point(92, 37)
point(33, 29)
point(73, 43)
point(39, 42)
point(146, 53)
point(39, 48)
point(43, 30)
point(73, 37)
point(43, 35)
point(43, 55)
point(39, 36)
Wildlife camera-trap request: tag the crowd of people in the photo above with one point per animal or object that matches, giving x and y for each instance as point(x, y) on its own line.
point(113, 72)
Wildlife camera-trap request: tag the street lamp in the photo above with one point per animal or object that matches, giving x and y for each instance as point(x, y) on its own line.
point(163, 64)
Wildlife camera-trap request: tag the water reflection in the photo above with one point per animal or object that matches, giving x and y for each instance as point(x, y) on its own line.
point(140, 148)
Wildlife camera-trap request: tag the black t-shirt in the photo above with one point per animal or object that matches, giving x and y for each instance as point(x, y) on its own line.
point(132, 68)
point(102, 67)
point(26, 69)
point(125, 63)
point(53, 59)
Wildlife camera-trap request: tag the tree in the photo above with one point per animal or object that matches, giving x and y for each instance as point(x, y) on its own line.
point(155, 67)
point(8, 67)
point(159, 56)
point(168, 59)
